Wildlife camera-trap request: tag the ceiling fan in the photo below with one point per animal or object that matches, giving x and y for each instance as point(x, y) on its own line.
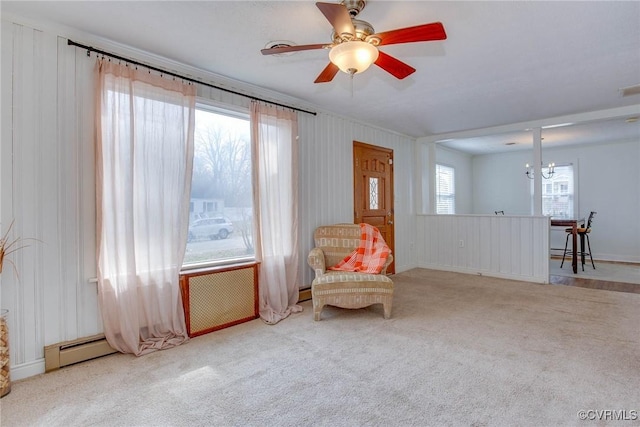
point(355, 43)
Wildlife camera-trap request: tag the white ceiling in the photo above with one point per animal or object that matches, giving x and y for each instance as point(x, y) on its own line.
point(617, 129)
point(502, 63)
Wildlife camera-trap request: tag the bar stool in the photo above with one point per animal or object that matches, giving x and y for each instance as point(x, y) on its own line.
point(583, 232)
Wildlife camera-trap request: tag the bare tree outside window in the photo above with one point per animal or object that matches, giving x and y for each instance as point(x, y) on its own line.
point(221, 218)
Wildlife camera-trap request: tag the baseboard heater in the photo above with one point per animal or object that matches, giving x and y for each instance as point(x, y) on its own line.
point(219, 298)
point(304, 295)
point(212, 300)
point(68, 353)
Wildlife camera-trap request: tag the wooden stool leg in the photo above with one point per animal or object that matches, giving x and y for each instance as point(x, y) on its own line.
point(582, 252)
point(590, 256)
point(566, 243)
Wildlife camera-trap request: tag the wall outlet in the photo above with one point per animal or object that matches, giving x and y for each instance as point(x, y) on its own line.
point(461, 243)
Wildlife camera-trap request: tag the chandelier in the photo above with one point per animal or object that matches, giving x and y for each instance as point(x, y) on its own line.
point(551, 170)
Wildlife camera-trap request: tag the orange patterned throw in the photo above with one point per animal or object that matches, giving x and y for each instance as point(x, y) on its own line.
point(370, 255)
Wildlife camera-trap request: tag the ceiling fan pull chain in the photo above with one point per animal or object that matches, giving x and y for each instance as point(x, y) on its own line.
point(351, 78)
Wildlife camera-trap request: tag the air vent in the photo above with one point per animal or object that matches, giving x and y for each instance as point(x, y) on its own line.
point(280, 43)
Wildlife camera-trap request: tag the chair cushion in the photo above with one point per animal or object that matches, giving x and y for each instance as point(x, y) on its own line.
point(357, 279)
point(579, 229)
point(353, 284)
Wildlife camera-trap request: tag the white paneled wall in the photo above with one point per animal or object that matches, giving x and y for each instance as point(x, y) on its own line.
point(48, 186)
point(47, 173)
point(515, 247)
point(47, 180)
point(326, 181)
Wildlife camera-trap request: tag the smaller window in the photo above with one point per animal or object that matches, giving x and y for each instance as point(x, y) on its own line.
point(445, 190)
point(557, 193)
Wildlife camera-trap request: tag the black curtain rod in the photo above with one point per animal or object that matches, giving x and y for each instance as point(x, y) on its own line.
point(130, 61)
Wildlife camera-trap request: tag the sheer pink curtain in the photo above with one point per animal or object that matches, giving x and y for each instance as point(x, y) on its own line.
point(275, 155)
point(145, 127)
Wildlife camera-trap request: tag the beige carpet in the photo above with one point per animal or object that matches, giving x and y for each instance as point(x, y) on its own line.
point(458, 350)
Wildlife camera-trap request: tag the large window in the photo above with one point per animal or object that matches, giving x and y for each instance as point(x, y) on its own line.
point(221, 208)
point(557, 193)
point(445, 190)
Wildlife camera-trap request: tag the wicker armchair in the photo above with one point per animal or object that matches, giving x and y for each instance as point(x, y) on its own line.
point(345, 289)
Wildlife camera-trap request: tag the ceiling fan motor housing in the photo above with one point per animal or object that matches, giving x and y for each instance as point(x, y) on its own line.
point(354, 7)
point(362, 30)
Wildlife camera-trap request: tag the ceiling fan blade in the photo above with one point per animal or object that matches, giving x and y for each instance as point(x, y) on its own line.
point(419, 33)
point(285, 49)
point(393, 66)
point(338, 16)
point(328, 73)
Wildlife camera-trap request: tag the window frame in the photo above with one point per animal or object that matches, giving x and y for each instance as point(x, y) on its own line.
point(451, 195)
point(237, 112)
point(546, 183)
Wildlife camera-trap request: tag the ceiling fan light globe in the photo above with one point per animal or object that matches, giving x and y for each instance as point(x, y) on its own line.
point(353, 55)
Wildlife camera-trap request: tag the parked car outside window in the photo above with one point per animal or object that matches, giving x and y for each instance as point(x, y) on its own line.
point(212, 228)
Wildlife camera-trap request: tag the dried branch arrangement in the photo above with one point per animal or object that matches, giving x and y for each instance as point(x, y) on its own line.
point(9, 246)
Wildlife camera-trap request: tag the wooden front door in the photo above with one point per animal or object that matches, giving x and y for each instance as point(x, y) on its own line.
point(373, 190)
